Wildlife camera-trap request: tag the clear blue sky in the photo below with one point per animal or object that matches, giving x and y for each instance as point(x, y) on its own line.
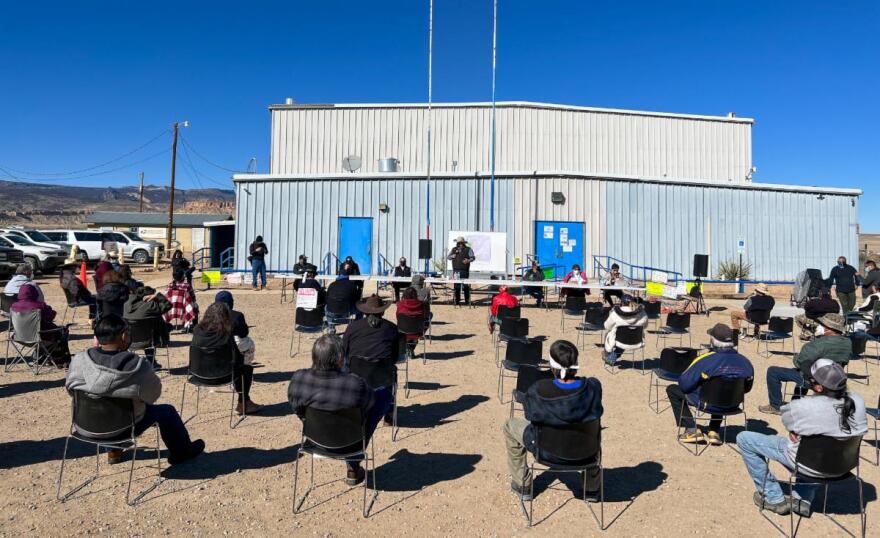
point(84, 82)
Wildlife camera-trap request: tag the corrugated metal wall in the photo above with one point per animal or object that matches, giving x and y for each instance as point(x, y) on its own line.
point(315, 140)
point(655, 224)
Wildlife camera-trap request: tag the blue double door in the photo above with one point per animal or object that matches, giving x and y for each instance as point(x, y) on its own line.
point(559, 245)
point(356, 240)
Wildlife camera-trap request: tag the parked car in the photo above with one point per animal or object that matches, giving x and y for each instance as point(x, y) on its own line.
point(41, 258)
point(89, 242)
point(10, 258)
point(93, 244)
point(136, 249)
point(36, 236)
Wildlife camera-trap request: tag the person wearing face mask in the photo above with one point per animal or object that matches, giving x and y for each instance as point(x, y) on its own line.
point(829, 344)
point(401, 270)
point(846, 278)
point(870, 279)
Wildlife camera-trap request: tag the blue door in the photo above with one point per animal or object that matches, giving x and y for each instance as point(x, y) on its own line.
point(559, 245)
point(356, 240)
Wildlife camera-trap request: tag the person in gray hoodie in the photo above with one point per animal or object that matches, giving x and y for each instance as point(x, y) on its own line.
point(111, 370)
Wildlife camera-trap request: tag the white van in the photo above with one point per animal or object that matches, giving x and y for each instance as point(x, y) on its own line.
point(89, 242)
point(93, 244)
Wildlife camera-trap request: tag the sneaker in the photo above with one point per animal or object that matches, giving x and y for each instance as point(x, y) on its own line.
point(714, 439)
point(524, 492)
point(114, 457)
point(801, 507)
point(355, 476)
point(692, 437)
point(769, 409)
point(195, 448)
point(782, 508)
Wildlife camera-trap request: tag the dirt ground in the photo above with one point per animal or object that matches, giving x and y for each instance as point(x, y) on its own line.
point(445, 475)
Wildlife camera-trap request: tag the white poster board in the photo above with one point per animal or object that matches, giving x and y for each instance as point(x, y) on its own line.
point(490, 249)
point(307, 298)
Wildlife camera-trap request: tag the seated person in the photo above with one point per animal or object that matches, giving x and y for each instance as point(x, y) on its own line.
point(722, 360)
point(24, 274)
point(110, 370)
point(327, 387)
point(410, 305)
point(178, 261)
point(147, 303)
point(535, 274)
point(104, 266)
point(214, 331)
point(128, 278)
point(502, 298)
point(309, 281)
point(760, 301)
point(629, 313)
point(112, 296)
point(418, 282)
point(183, 301)
point(240, 329)
point(55, 337)
point(814, 308)
point(401, 270)
point(74, 287)
point(832, 411)
point(829, 344)
point(575, 276)
point(564, 400)
point(613, 279)
point(870, 303)
point(303, 267)
point(345, 291)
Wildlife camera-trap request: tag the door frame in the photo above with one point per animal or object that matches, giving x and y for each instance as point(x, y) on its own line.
point(339, 219)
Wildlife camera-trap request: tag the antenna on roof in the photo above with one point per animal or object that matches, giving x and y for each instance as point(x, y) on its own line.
point(352, 163)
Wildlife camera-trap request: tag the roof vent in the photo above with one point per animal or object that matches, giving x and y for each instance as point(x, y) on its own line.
point(389, 165)
point(731, 114)
point(288, 100)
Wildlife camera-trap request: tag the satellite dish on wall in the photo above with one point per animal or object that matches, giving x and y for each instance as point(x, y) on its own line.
point(352, 163)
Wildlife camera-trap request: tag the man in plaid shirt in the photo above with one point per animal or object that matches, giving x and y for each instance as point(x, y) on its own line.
point(183, 301)
point(324, 386)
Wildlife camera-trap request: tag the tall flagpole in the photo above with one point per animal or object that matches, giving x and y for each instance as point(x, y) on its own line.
point(492, 157)
point(430, 117)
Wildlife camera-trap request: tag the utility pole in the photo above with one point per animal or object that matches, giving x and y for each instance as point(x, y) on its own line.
point(171, 199)
point(141, 192)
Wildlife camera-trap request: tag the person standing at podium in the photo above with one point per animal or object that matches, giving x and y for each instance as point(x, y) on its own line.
point(461, 256)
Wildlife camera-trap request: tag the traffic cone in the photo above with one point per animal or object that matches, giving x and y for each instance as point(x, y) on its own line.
point(83, 275)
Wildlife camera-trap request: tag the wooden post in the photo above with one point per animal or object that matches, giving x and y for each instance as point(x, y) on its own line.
point(171, 199)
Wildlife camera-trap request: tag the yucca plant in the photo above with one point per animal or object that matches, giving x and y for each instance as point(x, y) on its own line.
point(734, 270)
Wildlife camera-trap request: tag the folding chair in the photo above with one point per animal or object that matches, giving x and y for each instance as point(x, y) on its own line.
point(105, 422)
point(338, 312)
point(859, 345)
point(378, 373)
point(653, 310)
point(72, 306)
point(829, 456)
point(306, 322)
point(505, 312)
point(336, 435)
point(145, 337)
point(673, 362)
point(526, 376)
point(629, 339)
point(105, 308)
point(574, 307)
point(719, 393)
point(27, 341)
point(875, 414)
point(518, 353)
point(779, 329)
point(757, 319)
point(594, 321)
point(412, 329)
point(511, 330)
point(576, 448)
point(677, 324)
point(211, 368)
point(6, 302)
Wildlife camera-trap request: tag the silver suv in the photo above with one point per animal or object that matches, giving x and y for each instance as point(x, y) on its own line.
point(137, 249)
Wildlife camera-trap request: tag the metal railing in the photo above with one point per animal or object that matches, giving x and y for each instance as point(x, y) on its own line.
point(227, 259)
point(633, 273)
point(327, 260)
point(199, 257)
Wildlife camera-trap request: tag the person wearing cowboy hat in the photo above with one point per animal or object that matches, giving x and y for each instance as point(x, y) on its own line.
point(566, 399)
point(830, 344)
point(462, 256)
point(759, 301)
point(832, 411)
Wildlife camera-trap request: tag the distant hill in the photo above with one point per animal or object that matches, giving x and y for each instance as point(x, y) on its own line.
point(39, 204)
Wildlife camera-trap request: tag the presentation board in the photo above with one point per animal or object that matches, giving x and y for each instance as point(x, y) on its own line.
point(490, 249)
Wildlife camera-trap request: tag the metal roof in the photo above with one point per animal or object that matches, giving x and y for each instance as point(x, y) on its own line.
point(516, 104)
point(126, 218)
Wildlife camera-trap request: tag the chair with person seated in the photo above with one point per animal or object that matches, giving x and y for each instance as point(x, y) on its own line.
point(594, 321)
point(779, 329)
point(110, 423)
point(512, 330)
point(146, 336)
point(673, 362)
point(526, 376)
point(338, 312)
point(518, 353)
point(575, 448)
point(628, 339)
point(378, 373)
point(26, 338)
point(335, 435)
point(506, 312)
point(757, 319)
point(306, 322)
point(574, 307)
point(412, 328)
point(105, 308)
point(717, 392)
point(677, 324)
point(211, 368)
point(832, 457)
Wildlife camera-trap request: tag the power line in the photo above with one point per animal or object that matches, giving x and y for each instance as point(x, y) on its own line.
point(197, 173)
point(202, 157)
point(9, 173)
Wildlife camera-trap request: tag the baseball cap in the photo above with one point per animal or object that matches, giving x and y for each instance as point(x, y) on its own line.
point(721, 332)
point(829, 374)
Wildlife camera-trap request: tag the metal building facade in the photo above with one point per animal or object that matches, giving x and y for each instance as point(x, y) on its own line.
point(313, 139)
point(643, 221)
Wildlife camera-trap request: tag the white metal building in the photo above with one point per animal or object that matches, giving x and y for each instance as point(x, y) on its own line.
point(648, 188)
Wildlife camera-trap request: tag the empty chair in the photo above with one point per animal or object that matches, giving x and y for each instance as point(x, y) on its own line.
point(653, 310)
point(779, 329)
point(859, 346)
point(673, 362)
point(211, 368)
point(306, 322)
point(719, 393)
point(594, 321)
point(875, 414)
point(628, 339)
point(526, 376)
point(336, 435)
point(574, 307)
point(518, 353)
point(511, 330)
point(677, 324)
point(110, 423)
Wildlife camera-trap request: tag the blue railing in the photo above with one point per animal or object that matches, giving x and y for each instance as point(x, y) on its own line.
point(227, 260)
point(327, 259)
point(634, 272)
point(199, 257)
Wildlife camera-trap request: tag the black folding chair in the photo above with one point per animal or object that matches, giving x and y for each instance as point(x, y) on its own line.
point(779, 329)
point(576, 448)
point(413, 326)
point(73, 304)
point(859, 346)
point(757, 319)
point(673, 362)
point(518, 353)
point(594, 321)
point(336, 435)
point(653, 310)
point(211, 368)
point(875, 414)
point(505, 312)
point(574, 307)
point(512, 330)
point(829, 456)
point(338, 312)
point(629, 339)
point(677, 324)
point(6, 302)
point(526, 376)
point(306, 322)
point(146, 336)
point(720, 393)
point(105, 422)
point(378, 373)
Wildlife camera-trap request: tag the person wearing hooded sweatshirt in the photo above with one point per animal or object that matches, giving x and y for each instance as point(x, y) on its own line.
point(29, 300)
point(147, 303)
point(74, 287)
point(113, 294)
point(113, 371)
point(240, 329)
point(24, 274)
point(502, 298)
point(628, 313)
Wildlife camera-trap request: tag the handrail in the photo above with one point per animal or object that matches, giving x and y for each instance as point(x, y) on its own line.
point(327, 262)
point(200, 255)
point(227, 258)
point(382, 259)
point(645, 277)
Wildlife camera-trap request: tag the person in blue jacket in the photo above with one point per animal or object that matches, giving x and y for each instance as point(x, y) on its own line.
point(722, 360)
